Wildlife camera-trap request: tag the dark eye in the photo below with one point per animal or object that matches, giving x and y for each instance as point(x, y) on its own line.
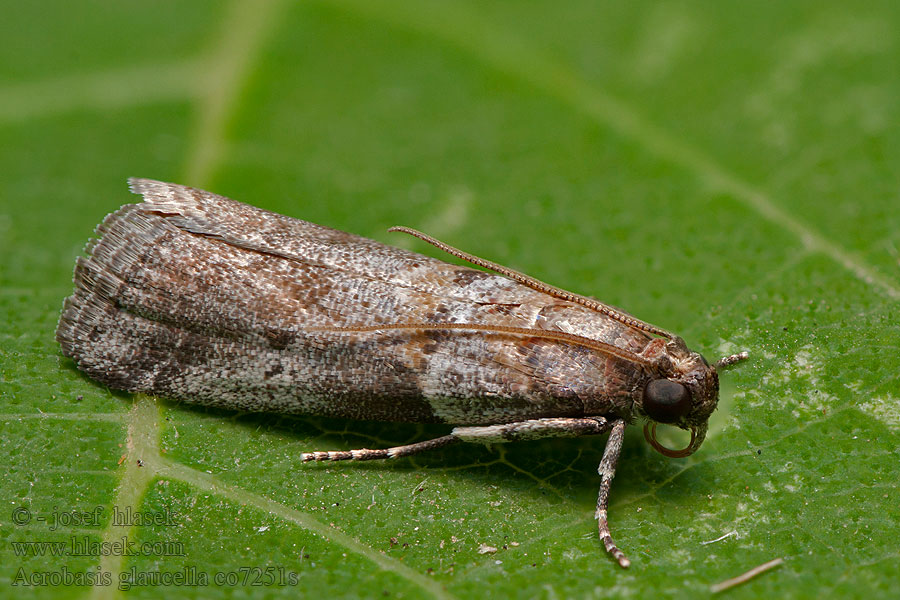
point(666, 401)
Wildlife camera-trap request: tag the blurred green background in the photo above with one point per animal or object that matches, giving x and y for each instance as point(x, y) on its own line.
point(727, 171)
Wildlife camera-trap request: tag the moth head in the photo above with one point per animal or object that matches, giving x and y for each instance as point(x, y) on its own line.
point(684, 393)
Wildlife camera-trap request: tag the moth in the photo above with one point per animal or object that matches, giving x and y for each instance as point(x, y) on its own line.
point(197, 297)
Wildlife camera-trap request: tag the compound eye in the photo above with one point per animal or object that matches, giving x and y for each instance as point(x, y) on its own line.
point(666, 401)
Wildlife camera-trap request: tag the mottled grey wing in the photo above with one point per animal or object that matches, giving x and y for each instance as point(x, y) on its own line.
point(195, 296)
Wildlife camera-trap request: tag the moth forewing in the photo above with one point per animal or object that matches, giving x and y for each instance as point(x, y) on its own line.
point(194, 296)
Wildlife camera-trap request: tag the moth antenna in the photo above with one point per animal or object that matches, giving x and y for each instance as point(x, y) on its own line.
point(727, 361)
point(559, 336)
point(537, 284)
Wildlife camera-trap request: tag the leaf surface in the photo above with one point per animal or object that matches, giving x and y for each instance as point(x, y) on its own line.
point(727, 172)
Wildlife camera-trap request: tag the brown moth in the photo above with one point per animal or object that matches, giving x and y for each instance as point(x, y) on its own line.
point(194, 296)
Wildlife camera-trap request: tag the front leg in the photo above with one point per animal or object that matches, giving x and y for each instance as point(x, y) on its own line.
point(538, 428)
point(607, 471)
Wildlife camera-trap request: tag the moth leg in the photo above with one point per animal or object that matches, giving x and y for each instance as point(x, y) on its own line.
point(508, 432)
point(562, 427)
point(367, 454)
point(607, 471)
point(533, 429)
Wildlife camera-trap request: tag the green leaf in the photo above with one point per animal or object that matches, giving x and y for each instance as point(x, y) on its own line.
point(726, 171)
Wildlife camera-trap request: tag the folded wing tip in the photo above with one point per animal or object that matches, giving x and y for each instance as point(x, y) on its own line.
point(140, 185)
